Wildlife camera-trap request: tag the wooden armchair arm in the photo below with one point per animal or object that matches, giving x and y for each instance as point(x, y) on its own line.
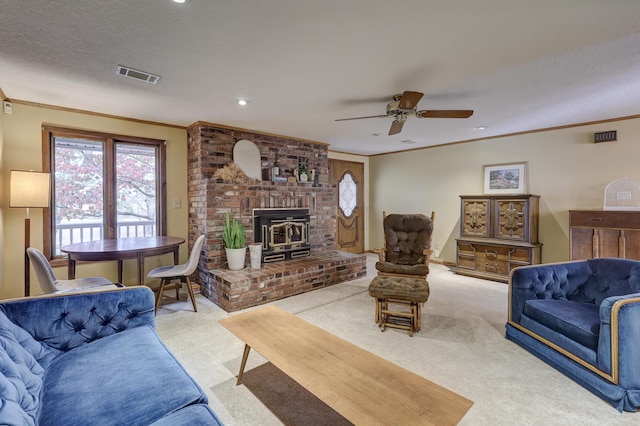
point(427, 256)
point(382, 254)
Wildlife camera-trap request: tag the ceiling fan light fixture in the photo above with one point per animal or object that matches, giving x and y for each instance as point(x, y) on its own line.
point(405, 105)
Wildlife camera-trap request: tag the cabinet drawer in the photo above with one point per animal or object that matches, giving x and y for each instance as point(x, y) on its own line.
point(595, 219)
point(492, 259)
point(520, 255)
point(466, 256)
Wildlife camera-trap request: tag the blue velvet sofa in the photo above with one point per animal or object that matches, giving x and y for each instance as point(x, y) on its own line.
point(582, 318)
point(92, 359)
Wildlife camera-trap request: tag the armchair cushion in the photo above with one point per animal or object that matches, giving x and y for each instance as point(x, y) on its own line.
point(111, 397)
point(407, 245)
point(578, 321)
point(392, 268)
point(407, 236)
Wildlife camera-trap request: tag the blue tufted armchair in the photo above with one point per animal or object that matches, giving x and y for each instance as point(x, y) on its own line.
point(583, 318)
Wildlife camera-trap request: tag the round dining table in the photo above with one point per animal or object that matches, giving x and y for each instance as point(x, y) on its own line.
point(120, 249)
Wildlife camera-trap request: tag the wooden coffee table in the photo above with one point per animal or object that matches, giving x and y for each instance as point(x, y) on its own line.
point(361, 386)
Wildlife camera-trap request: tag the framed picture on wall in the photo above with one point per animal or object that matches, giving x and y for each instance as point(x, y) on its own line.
point(509, 178)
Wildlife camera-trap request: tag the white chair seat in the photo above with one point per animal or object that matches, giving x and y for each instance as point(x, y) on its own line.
point(50, 284)
point(167, 271)
point(80, 283)
point(179, 272)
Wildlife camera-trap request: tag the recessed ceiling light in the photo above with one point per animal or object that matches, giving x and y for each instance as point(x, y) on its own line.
point(407, 141)
point(180, 1)
point(242, 102)
point(375, 134)
point(481, 128)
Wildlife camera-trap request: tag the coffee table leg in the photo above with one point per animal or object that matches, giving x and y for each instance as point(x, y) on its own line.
point(245, 356)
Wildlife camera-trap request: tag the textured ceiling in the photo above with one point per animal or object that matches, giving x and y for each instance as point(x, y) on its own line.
point(521, 65)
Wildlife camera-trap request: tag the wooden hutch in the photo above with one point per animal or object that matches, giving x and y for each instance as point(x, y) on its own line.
point(497, 234)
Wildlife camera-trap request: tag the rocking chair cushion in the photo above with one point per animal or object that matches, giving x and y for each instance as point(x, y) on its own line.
point(392, 268)
point(399, 288)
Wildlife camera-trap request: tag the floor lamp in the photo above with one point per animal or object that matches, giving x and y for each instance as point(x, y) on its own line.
point(29, 189)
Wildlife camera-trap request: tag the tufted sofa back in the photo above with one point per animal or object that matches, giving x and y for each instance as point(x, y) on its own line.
point(34, 331)
point(406, 237)
point(21, 371)
point(588, 281)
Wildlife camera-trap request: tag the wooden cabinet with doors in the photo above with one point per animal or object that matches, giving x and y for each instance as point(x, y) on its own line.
point(497, 234)
point(604, 233)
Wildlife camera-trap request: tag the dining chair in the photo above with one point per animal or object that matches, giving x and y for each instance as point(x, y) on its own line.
point(50, 284)
point(178, 272)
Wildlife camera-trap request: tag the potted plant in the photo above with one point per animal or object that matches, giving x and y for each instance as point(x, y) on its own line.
point(302, 173)
point(233, 236)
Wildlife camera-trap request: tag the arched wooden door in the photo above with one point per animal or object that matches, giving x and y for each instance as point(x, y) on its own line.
point(349, 177)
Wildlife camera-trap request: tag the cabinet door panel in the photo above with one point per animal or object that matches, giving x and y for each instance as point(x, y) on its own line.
point(632, 244)
point(581, 243)
point(609, 243)
point(475, 218)
point(511, 220)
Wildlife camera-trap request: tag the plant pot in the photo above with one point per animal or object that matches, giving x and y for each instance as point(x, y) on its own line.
point(255, 254)
point(304, 177)
point(236, 258)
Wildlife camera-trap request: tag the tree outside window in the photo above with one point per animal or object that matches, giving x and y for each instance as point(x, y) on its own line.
point(103, 186)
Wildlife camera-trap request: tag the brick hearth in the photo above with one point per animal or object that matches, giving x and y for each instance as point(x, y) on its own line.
point(234, 290)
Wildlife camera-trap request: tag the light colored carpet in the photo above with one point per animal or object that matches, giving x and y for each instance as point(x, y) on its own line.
point(461, 346)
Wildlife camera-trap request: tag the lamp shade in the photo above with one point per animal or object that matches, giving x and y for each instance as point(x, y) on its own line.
point(29, 189)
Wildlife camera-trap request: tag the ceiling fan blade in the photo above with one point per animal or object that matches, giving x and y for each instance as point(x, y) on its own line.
point(445, 113)
point(396, 126)
point(409, 100)
point(360, 118)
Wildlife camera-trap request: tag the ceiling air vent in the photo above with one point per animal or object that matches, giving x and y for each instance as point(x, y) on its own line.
point(609, 136)
point(138, 75)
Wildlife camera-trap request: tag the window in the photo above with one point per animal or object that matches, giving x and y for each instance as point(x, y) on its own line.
point(103, 186)
point(347, 194)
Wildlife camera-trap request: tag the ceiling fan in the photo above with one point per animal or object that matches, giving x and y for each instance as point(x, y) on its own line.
point(404, 106)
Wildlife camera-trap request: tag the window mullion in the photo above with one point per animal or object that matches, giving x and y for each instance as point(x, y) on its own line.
point(110, 213)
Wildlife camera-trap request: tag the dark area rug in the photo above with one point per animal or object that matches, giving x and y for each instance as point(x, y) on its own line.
point(287, 400)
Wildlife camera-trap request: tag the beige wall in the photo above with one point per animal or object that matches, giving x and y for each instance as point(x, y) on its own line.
point(566, 169)
point(21, 149)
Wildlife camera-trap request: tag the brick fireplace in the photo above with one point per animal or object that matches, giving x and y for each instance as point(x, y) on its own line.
point(210, 146)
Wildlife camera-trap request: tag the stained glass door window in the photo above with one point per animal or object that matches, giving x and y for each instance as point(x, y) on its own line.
point(347, 197)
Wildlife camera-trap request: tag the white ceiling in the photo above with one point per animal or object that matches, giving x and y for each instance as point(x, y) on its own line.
point(520, 64)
